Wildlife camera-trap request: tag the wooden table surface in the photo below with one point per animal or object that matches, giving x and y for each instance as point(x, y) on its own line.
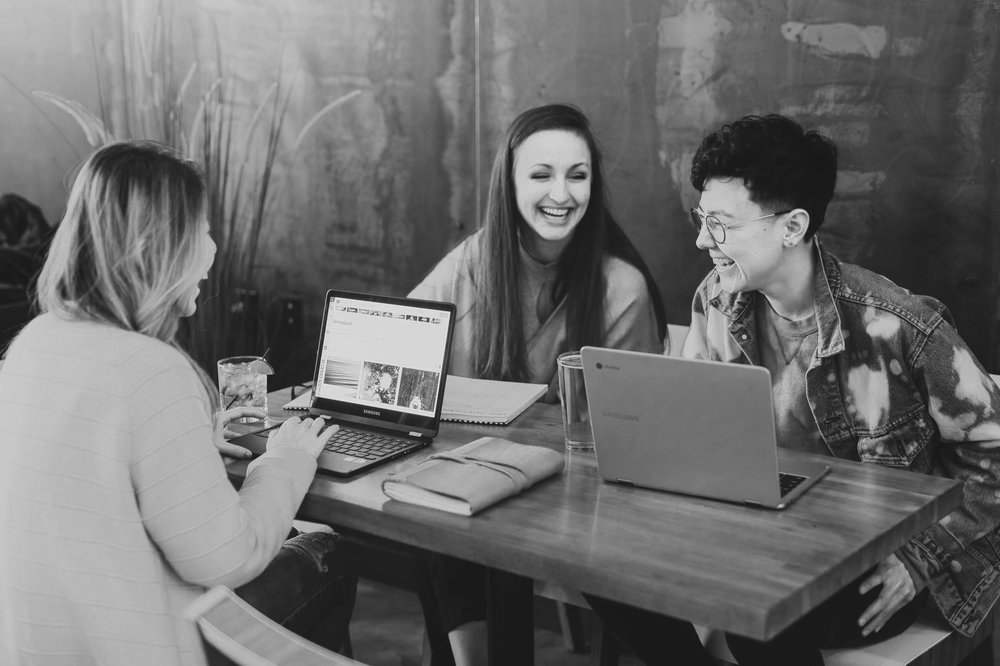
point(740, 569)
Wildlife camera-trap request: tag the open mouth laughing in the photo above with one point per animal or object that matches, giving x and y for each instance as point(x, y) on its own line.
point(555, 214)
point(723, 264)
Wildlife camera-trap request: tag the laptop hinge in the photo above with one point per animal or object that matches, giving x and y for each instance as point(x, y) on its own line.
point(626, 481)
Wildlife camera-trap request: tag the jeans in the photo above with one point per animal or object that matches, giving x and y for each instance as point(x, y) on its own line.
point(653, 638)
point(307, 589)
point(834, 624)
point(459, 587)
point(661, 640)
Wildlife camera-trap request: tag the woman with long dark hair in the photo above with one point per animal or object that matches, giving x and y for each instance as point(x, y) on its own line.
point(550, 271)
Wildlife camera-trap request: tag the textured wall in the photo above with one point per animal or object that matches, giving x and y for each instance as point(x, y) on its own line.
point(907, 88)
point(388, 182)
point(45, 45)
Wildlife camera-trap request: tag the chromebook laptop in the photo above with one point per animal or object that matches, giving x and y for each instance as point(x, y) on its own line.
point(694, 427)
point(381, 364)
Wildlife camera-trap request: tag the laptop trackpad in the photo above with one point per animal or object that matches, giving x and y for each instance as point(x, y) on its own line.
point(255, 442)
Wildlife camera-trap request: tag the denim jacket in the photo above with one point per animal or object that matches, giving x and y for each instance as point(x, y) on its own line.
point(906, 393)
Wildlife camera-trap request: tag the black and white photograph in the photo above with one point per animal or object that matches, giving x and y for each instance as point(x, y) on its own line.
point(718, 282)
point(379, 383)
point(418, 389)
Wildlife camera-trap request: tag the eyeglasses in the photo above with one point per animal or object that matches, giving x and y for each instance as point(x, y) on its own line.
point(717, 230)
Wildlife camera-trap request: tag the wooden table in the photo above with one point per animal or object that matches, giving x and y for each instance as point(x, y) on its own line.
point(745, 570)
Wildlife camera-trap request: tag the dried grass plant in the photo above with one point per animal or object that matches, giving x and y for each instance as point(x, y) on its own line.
point(202, 116)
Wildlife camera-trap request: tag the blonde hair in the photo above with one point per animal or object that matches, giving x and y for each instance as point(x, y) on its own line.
point(129, 242)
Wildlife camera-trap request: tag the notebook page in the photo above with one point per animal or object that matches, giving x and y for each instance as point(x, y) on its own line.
point(487, 400)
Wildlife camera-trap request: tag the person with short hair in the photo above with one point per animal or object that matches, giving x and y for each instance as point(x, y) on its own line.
point(550, 271)
point(861, 369)
point(117, 510)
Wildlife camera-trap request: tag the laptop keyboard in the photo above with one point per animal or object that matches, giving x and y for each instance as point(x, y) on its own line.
point(365, 444)
point(789, 482)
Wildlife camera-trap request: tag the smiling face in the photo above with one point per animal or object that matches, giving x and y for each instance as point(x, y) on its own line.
point(552, 178)
point(752, 256)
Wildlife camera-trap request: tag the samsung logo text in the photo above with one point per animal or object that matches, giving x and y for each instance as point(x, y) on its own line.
point(621, 416)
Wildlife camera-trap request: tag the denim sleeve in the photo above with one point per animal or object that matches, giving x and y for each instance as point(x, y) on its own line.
point(964, 403)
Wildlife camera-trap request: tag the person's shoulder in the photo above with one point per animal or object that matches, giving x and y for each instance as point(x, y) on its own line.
point(622, 278)
point(108, 356)
point(98, 340)
point(455, 267)
point(866, 288)
point(466, 249)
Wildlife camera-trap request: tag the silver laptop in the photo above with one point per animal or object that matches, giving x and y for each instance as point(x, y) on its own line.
point(694, 427)
point(381, 364)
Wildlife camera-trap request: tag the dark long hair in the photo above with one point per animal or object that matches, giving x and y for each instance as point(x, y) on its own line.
point(500, 347)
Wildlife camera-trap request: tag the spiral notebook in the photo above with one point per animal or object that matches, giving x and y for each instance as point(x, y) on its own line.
point(469, 400)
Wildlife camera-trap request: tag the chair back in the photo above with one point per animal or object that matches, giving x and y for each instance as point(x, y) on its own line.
point(234, 632)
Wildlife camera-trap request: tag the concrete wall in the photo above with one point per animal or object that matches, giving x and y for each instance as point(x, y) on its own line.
point(45, 45)
point(387, 183)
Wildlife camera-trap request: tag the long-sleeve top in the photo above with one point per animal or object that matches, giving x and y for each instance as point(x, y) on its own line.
point(891, 382)
point(629, 318)
point(115, 508)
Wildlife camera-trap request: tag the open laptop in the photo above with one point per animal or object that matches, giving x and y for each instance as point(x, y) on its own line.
point(696, 427)
point(380, 371)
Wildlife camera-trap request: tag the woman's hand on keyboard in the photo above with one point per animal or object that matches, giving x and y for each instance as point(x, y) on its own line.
point(302, 434)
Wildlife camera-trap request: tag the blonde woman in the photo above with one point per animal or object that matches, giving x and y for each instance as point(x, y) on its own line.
point(117, 510)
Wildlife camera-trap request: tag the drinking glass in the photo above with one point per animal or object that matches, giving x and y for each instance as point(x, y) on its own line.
point(573, 398)
point(243, 383)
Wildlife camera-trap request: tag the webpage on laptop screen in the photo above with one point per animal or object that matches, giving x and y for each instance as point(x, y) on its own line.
point(383, 354)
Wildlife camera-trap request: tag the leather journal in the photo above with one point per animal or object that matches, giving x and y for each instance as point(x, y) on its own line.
point(474, 476)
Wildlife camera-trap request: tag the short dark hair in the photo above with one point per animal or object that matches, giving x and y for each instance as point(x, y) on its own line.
point(782, 165)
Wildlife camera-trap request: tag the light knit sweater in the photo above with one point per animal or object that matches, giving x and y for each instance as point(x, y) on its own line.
point(116, 511)
point(629, 318)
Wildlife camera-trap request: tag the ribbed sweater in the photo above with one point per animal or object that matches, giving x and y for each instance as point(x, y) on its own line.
point(115, 508)
point(629, 317)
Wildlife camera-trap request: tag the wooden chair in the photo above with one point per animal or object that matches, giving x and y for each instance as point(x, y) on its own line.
point(234, 632)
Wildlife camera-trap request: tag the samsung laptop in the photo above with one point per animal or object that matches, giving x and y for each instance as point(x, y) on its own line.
point(381, 364)
point(695, 427)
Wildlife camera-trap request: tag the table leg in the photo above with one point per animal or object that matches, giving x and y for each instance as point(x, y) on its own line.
point(510, 620)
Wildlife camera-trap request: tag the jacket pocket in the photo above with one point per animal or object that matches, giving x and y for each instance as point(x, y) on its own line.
point(971, 584)
point(902, 445)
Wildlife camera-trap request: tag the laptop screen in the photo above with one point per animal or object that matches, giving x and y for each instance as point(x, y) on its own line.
point(383, 360)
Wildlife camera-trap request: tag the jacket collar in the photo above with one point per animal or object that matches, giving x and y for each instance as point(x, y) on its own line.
point(826, 286)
